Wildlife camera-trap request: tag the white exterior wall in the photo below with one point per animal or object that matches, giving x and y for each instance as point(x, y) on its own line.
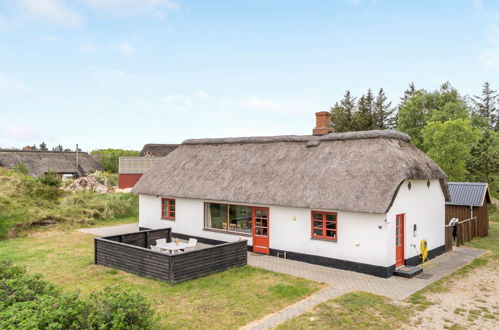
point(360, 238)
point(423, 206)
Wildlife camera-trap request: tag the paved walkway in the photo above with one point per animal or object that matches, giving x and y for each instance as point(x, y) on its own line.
point(112, 230)
point(394, 287)
point(342, 281)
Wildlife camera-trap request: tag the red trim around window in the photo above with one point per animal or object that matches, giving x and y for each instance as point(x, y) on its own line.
point(168, 208)
point(324, 225)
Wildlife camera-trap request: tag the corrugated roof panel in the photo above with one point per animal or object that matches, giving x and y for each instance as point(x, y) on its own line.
point(467, 193)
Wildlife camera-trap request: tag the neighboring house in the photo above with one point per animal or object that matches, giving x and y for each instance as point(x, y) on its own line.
point(132, 168)
point(157, 150)
point(64, 164)
point(360, 201)
point(468, 200)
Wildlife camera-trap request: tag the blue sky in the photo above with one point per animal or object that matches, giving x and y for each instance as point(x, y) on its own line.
point(122, 73)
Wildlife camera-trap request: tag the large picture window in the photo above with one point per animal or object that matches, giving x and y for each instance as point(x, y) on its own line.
point(324, 225)
point(234, 218)
point(167, 208)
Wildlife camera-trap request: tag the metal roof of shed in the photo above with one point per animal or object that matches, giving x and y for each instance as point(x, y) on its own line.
point(467, 193)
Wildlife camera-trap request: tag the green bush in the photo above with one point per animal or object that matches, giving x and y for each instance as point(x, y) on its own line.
point(50, 179)
point(21, 169)
point(29, 302)
point(109, 158)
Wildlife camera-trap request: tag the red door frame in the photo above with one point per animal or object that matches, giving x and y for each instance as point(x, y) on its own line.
point(399, 240)
point(261, 242)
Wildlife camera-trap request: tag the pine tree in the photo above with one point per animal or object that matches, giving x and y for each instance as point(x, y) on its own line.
point(486, 107)
point(43, 146)
point(59, 148)
point(382, 111)
point(483, 162)
point(408, 93)
point(363, 118)
point(342, 114)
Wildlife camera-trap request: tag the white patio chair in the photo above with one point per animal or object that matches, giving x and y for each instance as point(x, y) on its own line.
point(161, 241)
point(191, 245)
point(155, 248)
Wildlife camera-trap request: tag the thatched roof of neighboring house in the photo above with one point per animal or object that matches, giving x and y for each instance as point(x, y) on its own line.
point(356, 171)
point(41, 162)
point(157, 150)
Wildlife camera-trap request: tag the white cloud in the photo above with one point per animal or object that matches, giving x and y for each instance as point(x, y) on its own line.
point(52, 11)
point(11, 87)
point(88, 47)
point(108, 77)
point(134, 7)
point(490, 57)
point(123, 47)
point(22, 133)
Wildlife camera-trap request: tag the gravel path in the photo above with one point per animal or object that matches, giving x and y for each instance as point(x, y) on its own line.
point(472, 302)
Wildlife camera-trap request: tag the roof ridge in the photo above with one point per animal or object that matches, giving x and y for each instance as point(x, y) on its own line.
point(373, 134)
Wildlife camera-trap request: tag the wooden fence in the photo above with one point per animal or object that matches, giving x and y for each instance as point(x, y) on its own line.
point(131, 253)
point(466, 230)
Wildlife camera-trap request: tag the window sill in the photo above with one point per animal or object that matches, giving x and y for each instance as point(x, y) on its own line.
point(167, 218)
point(324, 239)
point(227, 232)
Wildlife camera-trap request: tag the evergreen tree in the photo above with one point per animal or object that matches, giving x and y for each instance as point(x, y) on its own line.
point(363, 118)
point(59, 148)
point(486, 108)
point(43, 146)
point(382, 112)
point(342, 114)
point(408, 93)
point(483, 162)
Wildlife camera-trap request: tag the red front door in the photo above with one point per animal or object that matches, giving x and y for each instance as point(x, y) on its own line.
point(261, 230)
point(399, 240)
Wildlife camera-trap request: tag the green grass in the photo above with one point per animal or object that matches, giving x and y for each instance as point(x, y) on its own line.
point(223, 300)
point(351, 311)
point(26, 203)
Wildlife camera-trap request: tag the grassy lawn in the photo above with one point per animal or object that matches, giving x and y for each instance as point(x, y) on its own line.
point(351, 311)
point(223, 300)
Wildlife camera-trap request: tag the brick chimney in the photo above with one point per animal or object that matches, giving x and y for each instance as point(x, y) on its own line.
point(323, 123)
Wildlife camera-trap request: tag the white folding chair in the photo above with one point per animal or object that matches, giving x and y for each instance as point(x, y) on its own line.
point(191, 245)
point(161, 241)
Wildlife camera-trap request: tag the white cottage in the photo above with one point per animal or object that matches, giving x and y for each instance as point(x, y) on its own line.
point(359, 201)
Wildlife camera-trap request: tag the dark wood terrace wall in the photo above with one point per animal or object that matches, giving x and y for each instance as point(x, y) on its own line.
point(131, 253)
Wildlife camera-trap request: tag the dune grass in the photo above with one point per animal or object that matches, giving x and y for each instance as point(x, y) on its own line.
point(26, 203)
point(224, 300)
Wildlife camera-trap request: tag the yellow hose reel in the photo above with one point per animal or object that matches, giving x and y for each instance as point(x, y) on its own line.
point(423, 247)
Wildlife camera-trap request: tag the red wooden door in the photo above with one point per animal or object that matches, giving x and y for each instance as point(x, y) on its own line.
point(399, 240)
point(261, 230)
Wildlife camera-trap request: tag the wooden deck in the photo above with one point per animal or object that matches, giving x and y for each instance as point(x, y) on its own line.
point(131, 253)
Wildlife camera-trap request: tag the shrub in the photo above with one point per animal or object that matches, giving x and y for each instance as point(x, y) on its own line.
point(50, 179)
point(21, 169)
point(29, 302)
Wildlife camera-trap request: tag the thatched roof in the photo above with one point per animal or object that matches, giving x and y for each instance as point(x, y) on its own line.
point(157, 150)
point(356, 171)
point(41, 162)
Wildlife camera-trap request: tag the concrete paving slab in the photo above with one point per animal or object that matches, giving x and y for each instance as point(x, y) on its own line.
point(111, 230)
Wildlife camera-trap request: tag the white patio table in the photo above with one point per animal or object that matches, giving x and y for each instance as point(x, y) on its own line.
point(172, 247)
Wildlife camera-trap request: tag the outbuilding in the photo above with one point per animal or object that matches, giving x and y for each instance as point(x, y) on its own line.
point(132, 168)
point(360, 201)
point(468, 200)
